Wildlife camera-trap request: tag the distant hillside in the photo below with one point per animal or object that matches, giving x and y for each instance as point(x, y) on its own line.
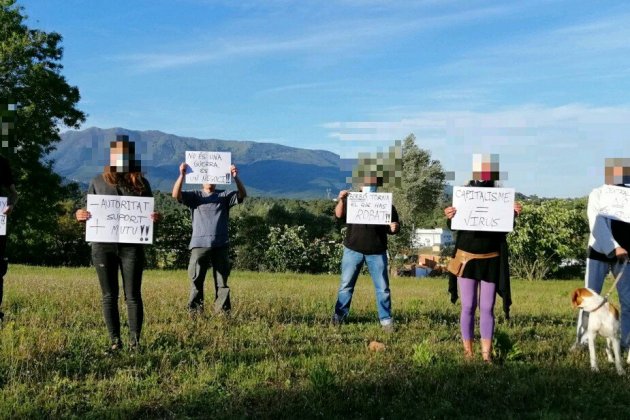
point(266, 168)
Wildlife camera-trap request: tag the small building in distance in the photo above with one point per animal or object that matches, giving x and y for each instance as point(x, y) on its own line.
point(434, 239)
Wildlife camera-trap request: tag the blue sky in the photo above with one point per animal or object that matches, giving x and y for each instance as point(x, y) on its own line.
point(543, 83)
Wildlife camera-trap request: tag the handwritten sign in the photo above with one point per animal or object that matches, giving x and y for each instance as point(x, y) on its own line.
point(483, 209)
point(121, 219)
point(615, 202)
point(369, 208)
point(209, 167)
point(3, 217)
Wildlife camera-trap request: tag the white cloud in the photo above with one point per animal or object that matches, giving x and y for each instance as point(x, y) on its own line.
point(549, 151)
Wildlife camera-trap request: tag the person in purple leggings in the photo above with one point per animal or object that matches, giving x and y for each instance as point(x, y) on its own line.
point(482, 279)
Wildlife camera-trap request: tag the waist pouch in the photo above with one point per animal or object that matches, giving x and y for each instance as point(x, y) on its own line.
point(458, 262)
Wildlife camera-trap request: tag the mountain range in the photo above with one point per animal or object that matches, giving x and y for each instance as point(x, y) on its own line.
point(267, 169)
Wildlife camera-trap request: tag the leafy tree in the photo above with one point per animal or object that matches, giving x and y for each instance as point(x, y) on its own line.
point(549, 235)
point(417, 187)
point(30, 73)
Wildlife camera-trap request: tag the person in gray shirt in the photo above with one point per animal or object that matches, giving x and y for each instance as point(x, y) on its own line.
point(210, 210)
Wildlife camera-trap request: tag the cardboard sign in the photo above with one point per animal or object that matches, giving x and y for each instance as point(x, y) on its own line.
point(209, 168)
point(369, 208)
point(121, 219)
point(615, 203)
point(3, 217)
point(483, 209)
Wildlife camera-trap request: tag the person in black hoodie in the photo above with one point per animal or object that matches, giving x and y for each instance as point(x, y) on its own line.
point(481, 279)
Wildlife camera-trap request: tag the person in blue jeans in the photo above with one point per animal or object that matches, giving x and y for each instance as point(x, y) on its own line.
point(365, 244)
point(608, 247)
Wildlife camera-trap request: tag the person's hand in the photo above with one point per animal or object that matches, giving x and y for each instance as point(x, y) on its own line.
point(234, 171)
point(156, 217)
point(518, 208)
point(182, 168)
point(393, 227)
point(82, 215)
point(621, 254)
point(449, 212)
point(7, 210)
point(343, 194)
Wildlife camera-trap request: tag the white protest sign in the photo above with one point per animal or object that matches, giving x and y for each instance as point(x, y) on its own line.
point(615, 203)
point(209, 167)
point(483, 209)
point(369, 208)
point(3, 217)
point(121, 219)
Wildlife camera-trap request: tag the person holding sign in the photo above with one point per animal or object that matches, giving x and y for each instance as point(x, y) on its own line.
point(122, 177)
point(7, 186)
point(365, 243)
point(210, 210)
point(480, 266)
point(608, 245)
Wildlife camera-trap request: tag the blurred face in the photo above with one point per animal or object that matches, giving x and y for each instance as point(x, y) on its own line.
point(119, 157)
point(369, 184)
point(209, 187)
point(617, 171)
point(485, 167)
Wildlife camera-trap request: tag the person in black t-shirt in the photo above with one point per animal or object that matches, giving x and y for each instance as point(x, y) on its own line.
point(365, 244)
point(7, 186)
point(608, 247)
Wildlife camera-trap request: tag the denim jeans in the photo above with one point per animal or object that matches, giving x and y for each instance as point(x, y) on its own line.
point(200, 260)
point(351, 265)
point(107, 259)
point(596, 272)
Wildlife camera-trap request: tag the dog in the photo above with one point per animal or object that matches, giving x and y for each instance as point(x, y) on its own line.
point(603, 319)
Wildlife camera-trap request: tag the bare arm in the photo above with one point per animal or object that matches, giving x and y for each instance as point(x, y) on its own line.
point(241, 192)
point(11, 199)
point(340, 208)
point(177, 187)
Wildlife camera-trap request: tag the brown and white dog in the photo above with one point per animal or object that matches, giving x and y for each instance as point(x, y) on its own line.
point(603, 319)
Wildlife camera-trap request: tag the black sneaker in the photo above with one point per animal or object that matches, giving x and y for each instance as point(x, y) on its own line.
point(113, 348)
point(1, 316)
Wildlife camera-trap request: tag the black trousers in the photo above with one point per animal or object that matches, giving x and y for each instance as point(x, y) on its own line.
point(129, 258)
point(4, 265)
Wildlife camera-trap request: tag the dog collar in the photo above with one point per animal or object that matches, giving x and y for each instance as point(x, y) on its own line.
point(600, 305)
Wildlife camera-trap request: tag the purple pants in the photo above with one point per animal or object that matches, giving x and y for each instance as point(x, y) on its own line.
point(468, 290)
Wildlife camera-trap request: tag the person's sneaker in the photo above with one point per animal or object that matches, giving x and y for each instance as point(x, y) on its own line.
point(336, 320)
point(113, 348)
point(1, 316)
point(388, 327)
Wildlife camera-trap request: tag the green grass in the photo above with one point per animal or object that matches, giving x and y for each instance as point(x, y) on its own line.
point(278, 356)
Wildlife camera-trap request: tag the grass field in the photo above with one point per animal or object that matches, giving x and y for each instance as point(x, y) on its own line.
point(277, 356)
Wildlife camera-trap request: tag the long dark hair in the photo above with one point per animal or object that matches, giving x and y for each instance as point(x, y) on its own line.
point(129, 180)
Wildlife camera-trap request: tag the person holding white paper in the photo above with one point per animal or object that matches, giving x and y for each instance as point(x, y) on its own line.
point(7, 187)
point(608, 246)
point(209, 244)
point(480, 267)
point(365, 244)
point(121, 177)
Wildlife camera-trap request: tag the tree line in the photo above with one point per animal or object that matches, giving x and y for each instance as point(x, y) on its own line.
point(266, 234)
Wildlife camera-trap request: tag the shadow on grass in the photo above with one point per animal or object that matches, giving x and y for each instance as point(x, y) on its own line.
point(440, 391)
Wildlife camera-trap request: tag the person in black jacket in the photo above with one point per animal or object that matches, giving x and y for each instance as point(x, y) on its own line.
point(122, 177)
point(482, 279)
